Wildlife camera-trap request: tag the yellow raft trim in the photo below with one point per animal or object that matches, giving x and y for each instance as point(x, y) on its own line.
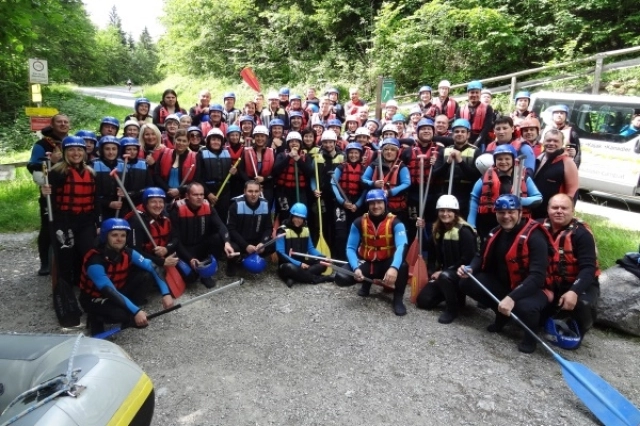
point(132, 403)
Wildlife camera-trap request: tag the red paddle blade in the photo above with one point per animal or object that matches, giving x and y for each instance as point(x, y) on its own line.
point(412, 254)
point(174, 281)
point(250, 78)
point(419, 279)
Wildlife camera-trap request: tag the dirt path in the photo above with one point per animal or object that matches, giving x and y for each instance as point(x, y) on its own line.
point(263, 354)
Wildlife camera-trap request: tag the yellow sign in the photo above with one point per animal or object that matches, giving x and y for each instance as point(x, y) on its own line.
point(40, 112)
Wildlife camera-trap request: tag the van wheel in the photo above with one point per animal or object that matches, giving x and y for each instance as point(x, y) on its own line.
point(637, 147)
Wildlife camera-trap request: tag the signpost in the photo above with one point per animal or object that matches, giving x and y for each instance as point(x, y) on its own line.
point(39, 117)
point(38, 71)
point(385, 91)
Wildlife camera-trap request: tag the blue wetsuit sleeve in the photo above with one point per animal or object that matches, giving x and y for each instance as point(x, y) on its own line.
point(400, 240)
point(352, 247)
point(38, 154)
point(367, 177)
point(405, 181)
point(534, 197)
point(530, 160)
point(280, 249)
point(143, 263)
point(360, 201)
point(334, 186)
point(99, 277)
point(473, 203)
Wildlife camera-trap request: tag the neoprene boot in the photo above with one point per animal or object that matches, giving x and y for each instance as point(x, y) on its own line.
point(44, 269)
point(398, 303)
point(498, 324)
point(528, 344)
point(365, 289)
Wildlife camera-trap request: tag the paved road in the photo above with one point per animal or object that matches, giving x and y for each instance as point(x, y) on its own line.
point(117, 95)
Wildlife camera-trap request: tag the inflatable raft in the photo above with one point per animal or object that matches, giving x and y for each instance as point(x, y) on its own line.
point(67, 380)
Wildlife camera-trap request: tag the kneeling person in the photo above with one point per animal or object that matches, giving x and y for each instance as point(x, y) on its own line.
point(379, 239)
point(110, 289)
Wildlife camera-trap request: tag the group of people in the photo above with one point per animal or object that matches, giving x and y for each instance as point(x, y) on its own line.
point(222, 183)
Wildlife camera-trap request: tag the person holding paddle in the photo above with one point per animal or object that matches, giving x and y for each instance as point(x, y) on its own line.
point(110, 289)
point(379, 239)
point(453, 243)
point(292, 172)
point(213, 165)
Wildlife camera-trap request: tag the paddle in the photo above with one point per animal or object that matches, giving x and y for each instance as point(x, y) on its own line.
point(46, 165)
point(323, 259)
point(420, 275)
point(351, 273)
point(604, 401)
point(174, 279)
point(224, 183)
point(250, 78)
point(322, 247)
point(115, 330)
point(124, 175)
point(519, 175)
point(412, 254)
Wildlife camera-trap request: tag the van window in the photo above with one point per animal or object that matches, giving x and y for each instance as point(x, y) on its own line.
point(592, 120)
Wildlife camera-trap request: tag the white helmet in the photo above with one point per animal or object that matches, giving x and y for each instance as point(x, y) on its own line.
point(294, 136)
point(215, 131)
point(391, 103)
point(390, 128)
point(447, 202)
point(483, 162)
point(273, 96)
point(363, 131)
point(328, 135)
point(172, 117)
point(131, 123)
point(444, 83)
point(261, 130)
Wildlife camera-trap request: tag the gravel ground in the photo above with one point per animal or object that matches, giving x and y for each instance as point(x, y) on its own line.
point(263, 354)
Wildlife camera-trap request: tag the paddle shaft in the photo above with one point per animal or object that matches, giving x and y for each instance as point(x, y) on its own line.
point(186, 176)
point(133, 207)
point(224, 183)
point(517, 181)
point(324, 259)
point(46, 165)
point(124, 175)
point(350, 273)
point(452, 169)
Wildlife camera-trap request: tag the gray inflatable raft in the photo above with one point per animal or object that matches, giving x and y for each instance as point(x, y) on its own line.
point(67, 380)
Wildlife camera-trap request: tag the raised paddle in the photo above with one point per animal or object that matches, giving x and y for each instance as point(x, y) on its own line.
point(420, 275)
point(351, 273)
point(519, 175)
point(174, 279)
point(322, 247)
point(115, 330)
point(250, 78)
point(604, 401)
point(124, 175)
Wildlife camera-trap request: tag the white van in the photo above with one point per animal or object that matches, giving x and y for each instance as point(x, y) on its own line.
point(610, 166)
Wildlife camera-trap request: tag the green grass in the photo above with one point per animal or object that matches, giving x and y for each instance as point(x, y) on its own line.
point(19, 201)
point(612, 242)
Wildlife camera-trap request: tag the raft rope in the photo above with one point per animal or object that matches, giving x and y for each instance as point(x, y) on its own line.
point(67, 381)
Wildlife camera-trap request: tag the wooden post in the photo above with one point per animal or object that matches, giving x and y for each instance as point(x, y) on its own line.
point(597, 75)
point(514, 83)
point(379, 98)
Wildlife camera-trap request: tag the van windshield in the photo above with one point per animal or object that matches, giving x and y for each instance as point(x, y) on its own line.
point(594, 120)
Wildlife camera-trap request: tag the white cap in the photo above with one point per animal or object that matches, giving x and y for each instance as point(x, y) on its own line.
point(444, 83)
point(391, 103)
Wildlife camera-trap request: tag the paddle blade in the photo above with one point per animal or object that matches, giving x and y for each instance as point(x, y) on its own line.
point(323, 248)
point(602, 399)
point(107, 333)
point(412, 254)
point(420, 278)
point(174, 281)
point(250, 78)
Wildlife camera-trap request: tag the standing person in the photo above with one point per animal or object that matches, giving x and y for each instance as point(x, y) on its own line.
point(109, 126)
point(131, 129)
point(380, 240)
point(336, 107)
point(347, 175)
point(194, 134)
point(215, 120)
point(390, 109)
point(141, 109)
point(514, 266)
point(171, 126)
point(258, 163)
point(138, 176)
point(453, 243)
point(522, 99)
point(576, 281)
point(283, 96)
point(91, 140)
point(175, 166)
point(556, 172)
point(325, 113)
point(168, 105)
point(251, 109)
point(441, 125)
point(296, 120)
point(311, 99)
point(274, 111)
point(297, 238)
point(76, 212)
point(231, 113)
point(247, 124)
point(150, 140)
point(560, 121)
point(199, 111)
point(448, 106)
point(213, 164)
point(236, 151)
point(428, 107)
point(249, 224)
point(106, 188)
point(354, 103)
point(50, 143)
point(415, 115)
point(110, 289)
point(293, 173)
point(505, 134)
point(201, 232)
point(276, 135)
point(530, 131)
point(478, 114)
point(497, 180)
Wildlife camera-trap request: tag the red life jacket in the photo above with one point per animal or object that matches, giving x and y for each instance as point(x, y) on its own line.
point(367, 155)
point(566, 264)
point(478, 117)
point(162, 114)
point(430, 110)
point(451, 105)
point(517, 257)
point(76, 196)
point(377, 243)
point(394, 202)
point(165, 163)
point(184, 212)
point(268, 159)
point(287, 178)
point(116, 272)
point(414, 163)
point(206, 126)
point(537, 149)
point(491, 191)
point(166, 141)
point(350, 179)
point(516, 143)
point(235, 154)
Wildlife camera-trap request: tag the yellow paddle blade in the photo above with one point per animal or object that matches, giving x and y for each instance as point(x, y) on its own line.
point(323, 248)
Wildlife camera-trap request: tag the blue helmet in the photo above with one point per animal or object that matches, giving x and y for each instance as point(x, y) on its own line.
point(461, 122)
point(208, 268)
point(108, 139)
point(565, 335)
point(141, 101)
point(194, 129)
point(376, 195)
point(229, 95)
point(334, 122)
point(244, 118)
point(390, 141)
point(506, 148)
point(110, 120)
point(298, 209)
point(474, 85)
point(295, 98)
point(276, 122)
point(70, 141)
point(314, 108)
point(128, 141)
point(397, 117)
point(523, 95)
point(425, 89)
point(112, 224)
point(233, 128)
point(425, 122)
point(284, 91)
point(353, 145)
point(216, 107)
point(87, 134)
point(333, 90)
point(254, 263)
point(560, 108)
point(152, 192)
point(293, 114)
point(507, 202)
